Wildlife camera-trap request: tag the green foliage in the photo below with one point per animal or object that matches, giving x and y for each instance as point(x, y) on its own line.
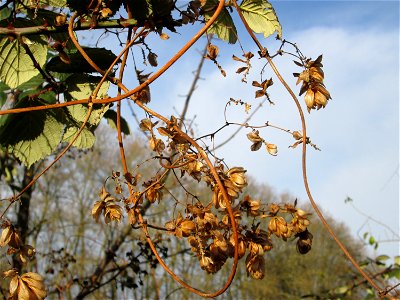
point(85, 140)
point(22, 82)
point(81, 86)
point(5, 13)
point(31, 136)
point(79, 112)
point(16, 67)
point(41, 3)
point(261, 17)
point(111, 117)
point(223, 27)
point(78, 64)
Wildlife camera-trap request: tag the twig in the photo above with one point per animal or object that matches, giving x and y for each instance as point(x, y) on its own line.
point(45, 29)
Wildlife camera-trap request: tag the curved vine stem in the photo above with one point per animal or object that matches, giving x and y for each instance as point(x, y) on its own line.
point(199, 149)
point(128, 93)
point(264, 53)
point(234, 230)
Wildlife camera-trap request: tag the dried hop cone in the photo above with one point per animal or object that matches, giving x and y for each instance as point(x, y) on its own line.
point(279, 227)
point(29, 286)
point(312, 78)
point(234, 182)
point(255, 265)
point(9, 236)
point(304, 242)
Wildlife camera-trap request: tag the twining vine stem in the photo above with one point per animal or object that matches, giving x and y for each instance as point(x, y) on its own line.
point(264, 53)
point(191, 141)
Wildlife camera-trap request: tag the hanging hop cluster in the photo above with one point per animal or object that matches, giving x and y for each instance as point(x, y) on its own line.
point(312, 78)
point(29, 285)
point(208, 229)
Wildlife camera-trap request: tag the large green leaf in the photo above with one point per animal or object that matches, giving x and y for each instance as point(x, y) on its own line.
point(261, 17)
point(31, 136)
point(82, 86)
point(85, 139)
point(223, 26)
point(16, 67)
point(79, 112)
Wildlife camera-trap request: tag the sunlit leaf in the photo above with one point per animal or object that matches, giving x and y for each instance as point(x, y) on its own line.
point(16, 67)
point(382, 258)
point(223, 26)
point(31, 136)
point(341, 290)
point(371, 240)
point(82, 86)
point(85, 140)
point(394, 273)
point(397, 260)
point(41, 3)
point(261, 17)
point(79, 112)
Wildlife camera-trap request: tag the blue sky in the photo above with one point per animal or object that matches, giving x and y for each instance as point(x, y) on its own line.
point(358, 131)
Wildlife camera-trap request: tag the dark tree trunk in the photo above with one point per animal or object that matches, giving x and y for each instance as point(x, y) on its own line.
point(23, 212)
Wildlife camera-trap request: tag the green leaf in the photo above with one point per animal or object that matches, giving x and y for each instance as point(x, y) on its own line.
point(82, 86)
point(3, 95)
point(371, 240)
point(342, 290)
point(78, 113)
point(16, 67)
point(397, 260)
point(261, 17)
point(5, 13)
point(41, 3)
point(394, 273)
point(102, 57)
point(382, 258)
point(85, 140)
point(31, 136)
point(223, 26)
point(111, 116)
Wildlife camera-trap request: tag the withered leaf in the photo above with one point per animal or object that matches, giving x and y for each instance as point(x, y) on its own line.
point(298, 63)
point(256, 146)
point(234, 57)
point(240, 70)
point(164, 131)
point(152, 58)
point(248, 55)
point(212, 51)
point(164, 36)
point(254, 136)
point(256, 84)
point(146, 125)
point(260, 93)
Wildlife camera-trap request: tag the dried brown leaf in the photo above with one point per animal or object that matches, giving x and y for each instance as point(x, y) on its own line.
point(256, 146)
point(240, 70)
